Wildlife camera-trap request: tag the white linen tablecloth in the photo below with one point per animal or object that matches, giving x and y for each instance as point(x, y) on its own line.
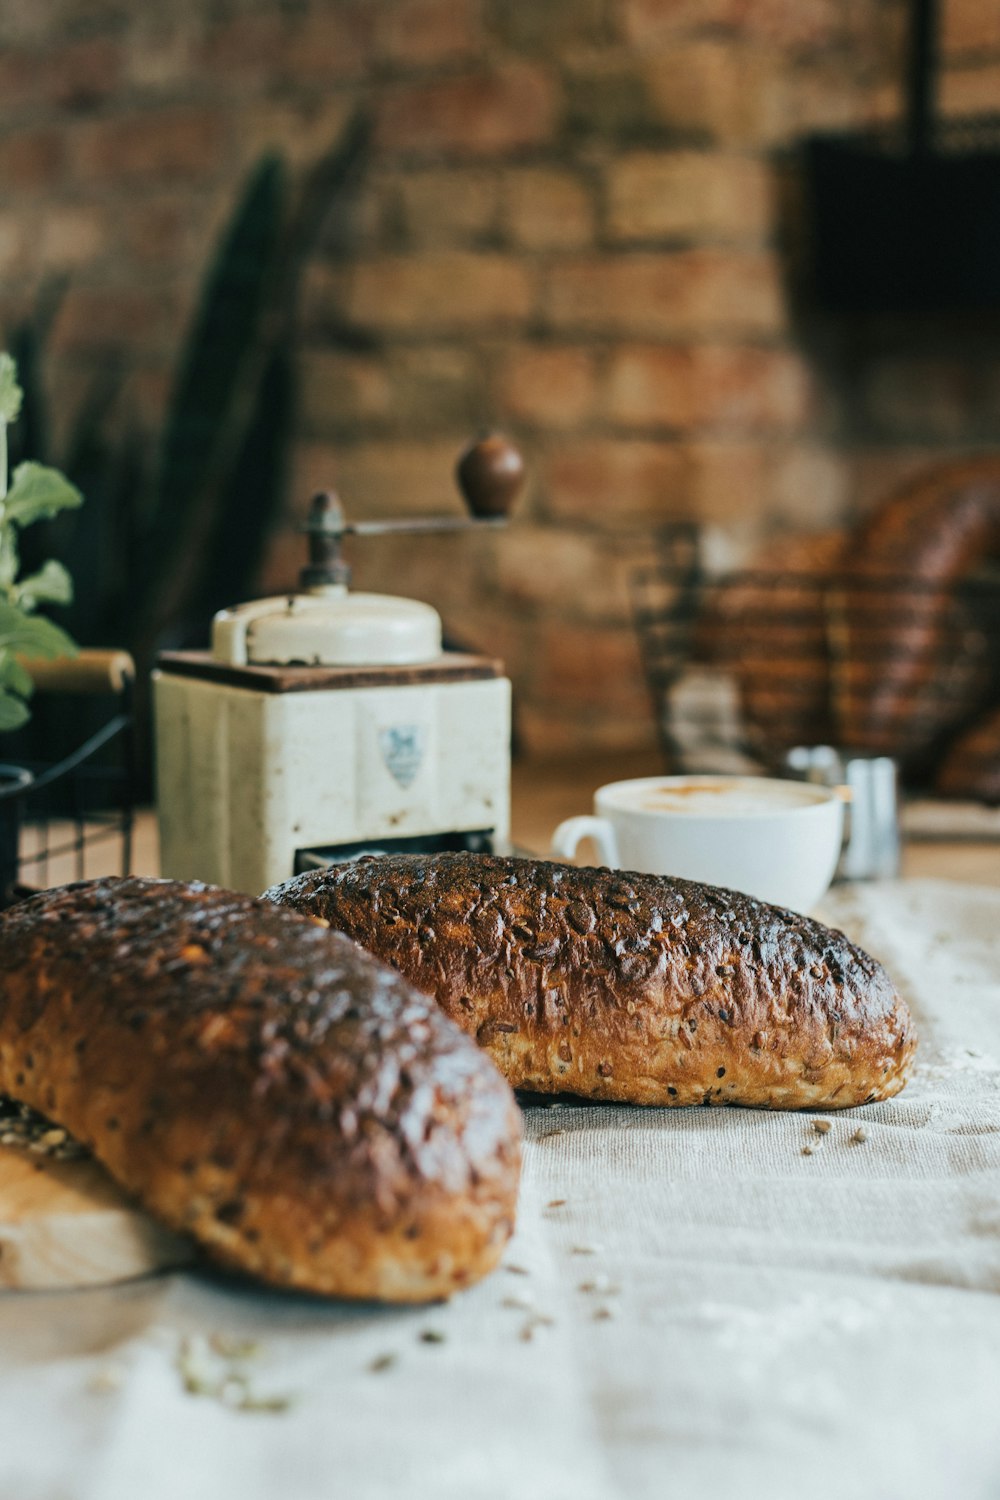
point(764, 1321)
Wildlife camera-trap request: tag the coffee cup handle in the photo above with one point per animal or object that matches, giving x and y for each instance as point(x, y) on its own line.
point(570, 834)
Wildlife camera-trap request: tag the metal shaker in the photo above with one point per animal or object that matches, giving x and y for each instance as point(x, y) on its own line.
point(869, 785)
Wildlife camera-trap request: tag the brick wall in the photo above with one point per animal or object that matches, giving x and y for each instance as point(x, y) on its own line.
point(571, 225)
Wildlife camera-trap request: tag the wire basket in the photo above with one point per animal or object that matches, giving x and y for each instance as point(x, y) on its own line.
point(73, 818)
point(746, 666)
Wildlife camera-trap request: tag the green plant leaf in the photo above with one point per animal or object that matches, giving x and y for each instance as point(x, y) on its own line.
point(39, 493)
point(50, 585)
point(9, 560)
point(212, 403)
point(10, 392)
point(15, 676)
point(32, 635)
point(13, 712)
point(251, 497)
point(220, 369)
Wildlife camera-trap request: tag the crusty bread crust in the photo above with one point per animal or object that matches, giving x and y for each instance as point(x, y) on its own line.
point(623, 986)
point(259, 1082)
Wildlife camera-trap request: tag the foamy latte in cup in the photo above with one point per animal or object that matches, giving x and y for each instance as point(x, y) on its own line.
point(777, 840)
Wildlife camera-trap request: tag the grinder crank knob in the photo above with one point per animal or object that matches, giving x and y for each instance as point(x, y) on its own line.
point(490, 473)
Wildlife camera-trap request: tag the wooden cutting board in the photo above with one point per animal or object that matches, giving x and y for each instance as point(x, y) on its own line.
point(67, 1224)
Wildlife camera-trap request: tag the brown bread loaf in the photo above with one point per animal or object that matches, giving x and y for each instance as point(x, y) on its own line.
point(257, 1081)
point(624, 986)
point(909, 664)
point(972, 766)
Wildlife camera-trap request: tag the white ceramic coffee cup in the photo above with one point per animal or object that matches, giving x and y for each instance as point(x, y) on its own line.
point(776, 840)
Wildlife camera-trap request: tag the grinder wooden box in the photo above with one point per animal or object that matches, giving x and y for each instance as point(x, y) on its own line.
point(257, 764)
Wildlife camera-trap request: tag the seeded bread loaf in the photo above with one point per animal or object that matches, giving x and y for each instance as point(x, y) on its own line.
point(628, 987)
point(259, 1082)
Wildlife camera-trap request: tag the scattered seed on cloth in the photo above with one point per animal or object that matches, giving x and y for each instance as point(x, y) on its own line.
point(106, 1381)
point(537, 1320)
point(600, 1283)
point(520, 1304)
point(205, 1370)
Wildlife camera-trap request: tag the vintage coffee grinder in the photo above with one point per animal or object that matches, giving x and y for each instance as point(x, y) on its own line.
point(325, 724)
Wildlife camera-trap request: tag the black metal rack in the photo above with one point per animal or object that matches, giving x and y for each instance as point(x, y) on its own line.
point(54, 815)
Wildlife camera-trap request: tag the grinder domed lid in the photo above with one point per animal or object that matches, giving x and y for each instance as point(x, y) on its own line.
point(333, 628)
